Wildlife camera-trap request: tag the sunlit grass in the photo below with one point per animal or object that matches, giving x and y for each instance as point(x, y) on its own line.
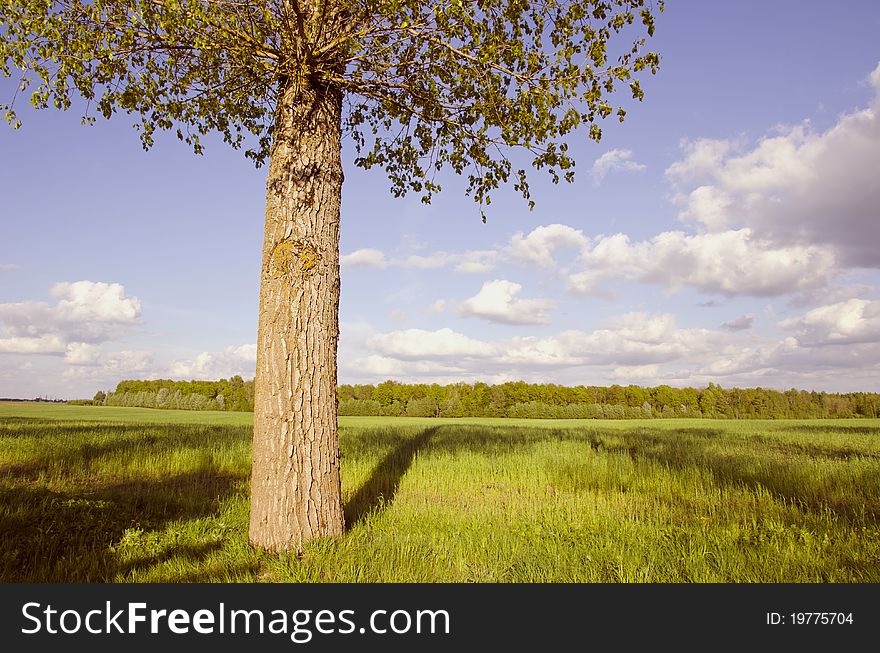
point(127, 494)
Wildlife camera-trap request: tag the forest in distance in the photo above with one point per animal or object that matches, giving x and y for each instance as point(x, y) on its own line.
point(512, 399)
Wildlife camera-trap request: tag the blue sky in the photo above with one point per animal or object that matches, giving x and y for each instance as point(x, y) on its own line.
point(728, 231)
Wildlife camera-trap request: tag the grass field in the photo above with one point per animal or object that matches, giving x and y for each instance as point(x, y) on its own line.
point(94, 494)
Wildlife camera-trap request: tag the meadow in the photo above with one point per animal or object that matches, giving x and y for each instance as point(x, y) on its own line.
point(111, 494)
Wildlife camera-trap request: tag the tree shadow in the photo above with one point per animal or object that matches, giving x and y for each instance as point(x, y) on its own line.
point(220, 574)
point(70, 536)
point(378, 491)
point(825, 429)
point(98, 439)
point(189, 552)
point(785, 478)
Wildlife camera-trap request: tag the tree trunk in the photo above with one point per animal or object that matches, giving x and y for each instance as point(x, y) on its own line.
point(295, 485)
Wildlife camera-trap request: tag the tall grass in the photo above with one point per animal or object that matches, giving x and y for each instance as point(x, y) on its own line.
point(140, 495)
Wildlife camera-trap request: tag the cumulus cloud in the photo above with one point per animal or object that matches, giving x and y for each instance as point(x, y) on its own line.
point(849, 322)
point(429, 262)
point(384, 367)
point(741, 323)
point(835, 348)
point(708, 205)
point(701, 157)
point(374, 258)
point(86, 312)
point(364, 258)
point(476, 261)
point(832, 346)
point(82, 353)
point(414, 344)
point(644, 373)
point(45, 343)
point(633, 339)
point(90, 363)
point(614, 161)
point(497, 302)
point(86, 301)
point(730, 263)
point(541, 245)
point(213, 365)
point(800, 185)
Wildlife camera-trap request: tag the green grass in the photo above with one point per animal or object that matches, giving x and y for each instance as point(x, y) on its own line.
point(93, 494)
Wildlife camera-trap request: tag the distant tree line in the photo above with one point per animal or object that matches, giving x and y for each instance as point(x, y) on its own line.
point(226, 394)
point(520, 399)
point(515, 399)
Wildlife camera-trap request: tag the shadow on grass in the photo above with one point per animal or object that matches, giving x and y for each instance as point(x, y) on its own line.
point(70, 450)
point(854, 429)
point(189, 552)
point(854, 498)
point(49, 536)
point(379, 490)
point(224, 574)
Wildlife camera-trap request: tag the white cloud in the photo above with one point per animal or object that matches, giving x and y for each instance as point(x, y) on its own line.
point(539, 247)
point(106, 368)
point(477, 262)
point(741, 323)
point(213, 365)
point(797, 186)
point(497, 302)
point(8, 266)
point(729, 263)
point(89, 363)
point(832, 295)
point(86, 312)
point(82, 353)
point(632, 373)
point(429, 262)
point(833, 346)
point(375, 365)
point(543, 243)
point(364, 258)
point(849, 322)
point(384, 367)
point(701, 157)
point(614, 160)
point(874, 77)
point(639, 348)
point(631, 339)
point(709, 206)
point(43, 344)
point(87, 301)
point(416, 344)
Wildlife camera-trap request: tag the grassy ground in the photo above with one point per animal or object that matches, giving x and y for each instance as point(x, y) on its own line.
point(126, 494)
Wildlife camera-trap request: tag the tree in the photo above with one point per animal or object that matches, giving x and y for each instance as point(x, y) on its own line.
point(418, 86)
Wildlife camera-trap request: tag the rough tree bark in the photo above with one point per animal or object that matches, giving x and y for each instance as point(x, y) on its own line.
point(295, 493)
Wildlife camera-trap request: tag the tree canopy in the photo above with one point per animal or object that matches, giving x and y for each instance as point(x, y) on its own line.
point(426, 84)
